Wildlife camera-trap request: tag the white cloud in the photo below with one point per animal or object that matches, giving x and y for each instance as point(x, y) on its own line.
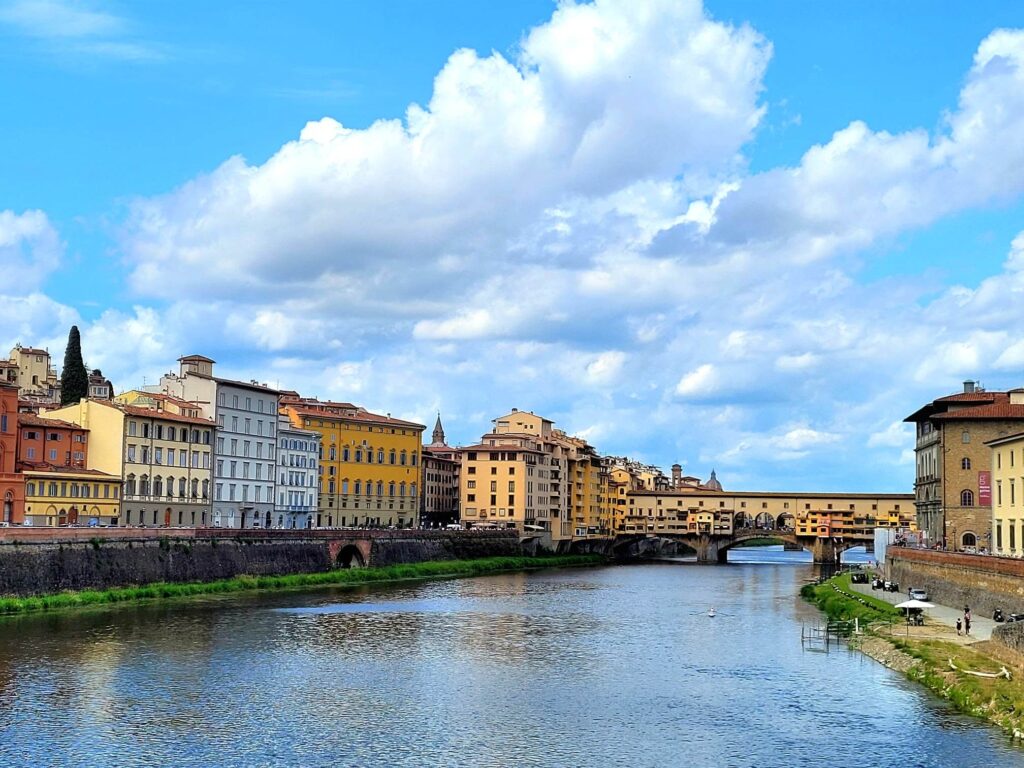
point(30, 248)
point(700, 382)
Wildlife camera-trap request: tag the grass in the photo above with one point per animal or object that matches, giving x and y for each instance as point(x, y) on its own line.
point(346, 577)
point(761, 541)
point(839, 602)
point(997, 700)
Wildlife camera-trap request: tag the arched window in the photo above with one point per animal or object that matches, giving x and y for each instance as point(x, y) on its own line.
point(412, 490)
point(391, 489)
point(330, 486)
point(206, 489)
point(158, 486)
point(181, 487)
point(380, 487)
point(359, 487)
point(969, 540)
point(401, 489)
point(965, 463)
point(170, 487)
point(402, 462)
point(413, 456)
point(380, 455)
point(966, 498)
point(393, 456)
point(129, 486)
point(369, 455)
point(195, 487)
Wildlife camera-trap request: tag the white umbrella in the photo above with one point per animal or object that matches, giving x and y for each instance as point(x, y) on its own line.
point(915, 604)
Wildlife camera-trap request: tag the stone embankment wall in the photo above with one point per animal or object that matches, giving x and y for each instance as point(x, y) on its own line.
point(983, 582)
point(44, 562)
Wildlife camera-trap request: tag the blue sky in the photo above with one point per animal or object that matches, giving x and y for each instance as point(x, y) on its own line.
point(750, 236)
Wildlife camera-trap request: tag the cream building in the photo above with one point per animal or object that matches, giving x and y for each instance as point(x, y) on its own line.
point(161, 449)
point(1008, 495)
point(35, 374)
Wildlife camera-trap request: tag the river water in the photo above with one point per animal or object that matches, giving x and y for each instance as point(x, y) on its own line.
point(616, 666)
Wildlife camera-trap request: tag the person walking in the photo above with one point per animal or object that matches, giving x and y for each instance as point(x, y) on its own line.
point(958, 626)
point(967, 623)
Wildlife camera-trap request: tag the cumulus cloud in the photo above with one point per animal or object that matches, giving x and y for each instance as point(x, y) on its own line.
point(30, 248)
point(573, 229)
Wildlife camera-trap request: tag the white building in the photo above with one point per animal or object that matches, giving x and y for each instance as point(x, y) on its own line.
point(298, 453)
point(246, 448)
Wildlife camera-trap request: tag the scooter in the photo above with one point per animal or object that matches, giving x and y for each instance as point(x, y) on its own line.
point(998, 615)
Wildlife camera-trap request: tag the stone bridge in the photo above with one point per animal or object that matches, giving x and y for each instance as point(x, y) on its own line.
point(713, 548)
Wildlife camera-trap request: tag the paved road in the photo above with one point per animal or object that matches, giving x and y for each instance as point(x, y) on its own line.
point(981, 627)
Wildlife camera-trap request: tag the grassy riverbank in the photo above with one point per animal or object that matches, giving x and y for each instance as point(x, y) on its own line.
point(347, 577)
point(929, 654)
point(761, 541)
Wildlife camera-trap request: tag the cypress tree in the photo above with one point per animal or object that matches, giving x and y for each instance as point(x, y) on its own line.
point(74, 380)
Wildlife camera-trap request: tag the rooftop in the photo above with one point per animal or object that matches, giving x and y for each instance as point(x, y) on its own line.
point(34, 420)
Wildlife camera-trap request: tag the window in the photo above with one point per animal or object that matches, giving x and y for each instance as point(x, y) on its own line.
point(966, 436)
point(966, 497)
point(965, 463)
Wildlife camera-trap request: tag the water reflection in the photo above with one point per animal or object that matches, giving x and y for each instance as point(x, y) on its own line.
point(615, 666)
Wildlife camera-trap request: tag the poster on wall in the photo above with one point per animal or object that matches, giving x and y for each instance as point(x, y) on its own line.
point(985, 489)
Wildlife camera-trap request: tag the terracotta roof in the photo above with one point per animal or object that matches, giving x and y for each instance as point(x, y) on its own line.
point(507, 448)
point(1002, 409)
point(348, 412)
point(31, 351)
point(153, 413)
point(50, 469)
point(33, 420)
point(970, 397)
point(199, 358)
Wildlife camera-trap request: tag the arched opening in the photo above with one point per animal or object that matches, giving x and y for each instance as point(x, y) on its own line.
point(966, 498)
point(742, 520)
point(351, 557)
point(8, 507)
point(785, 522)
point(968, 539)
point(269, 520)
point(764, 521)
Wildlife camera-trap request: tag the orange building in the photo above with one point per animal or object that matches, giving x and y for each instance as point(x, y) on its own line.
point(12, 484)
point(51, 443)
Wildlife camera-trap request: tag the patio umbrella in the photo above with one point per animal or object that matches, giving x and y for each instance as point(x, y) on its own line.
point(914, 604)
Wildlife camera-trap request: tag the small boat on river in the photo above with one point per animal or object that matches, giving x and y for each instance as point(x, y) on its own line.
point(711, 613)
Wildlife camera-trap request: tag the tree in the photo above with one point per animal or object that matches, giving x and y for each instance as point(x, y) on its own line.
point(74, 380)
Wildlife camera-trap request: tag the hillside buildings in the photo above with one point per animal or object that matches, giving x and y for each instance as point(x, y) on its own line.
point(32, 371)
point(953, 480)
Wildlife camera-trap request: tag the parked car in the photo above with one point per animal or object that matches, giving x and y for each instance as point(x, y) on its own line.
point(918, 594)
point(1015, 617)
point(891, 586)
point(877, 583)
point(858, 577)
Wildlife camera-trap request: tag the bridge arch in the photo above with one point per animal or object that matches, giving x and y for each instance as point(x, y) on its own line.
point(785, 522)
point(765, 521)
point(350, 557)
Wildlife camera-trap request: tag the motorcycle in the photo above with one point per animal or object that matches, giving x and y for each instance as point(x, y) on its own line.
point(998, 615)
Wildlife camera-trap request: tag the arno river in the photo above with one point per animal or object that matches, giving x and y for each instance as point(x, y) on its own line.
point(615, 666)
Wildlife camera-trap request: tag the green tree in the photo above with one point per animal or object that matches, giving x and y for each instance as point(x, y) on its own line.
point(74, 381)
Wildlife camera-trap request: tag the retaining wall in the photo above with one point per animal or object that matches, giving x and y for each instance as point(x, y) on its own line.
point(39, 562)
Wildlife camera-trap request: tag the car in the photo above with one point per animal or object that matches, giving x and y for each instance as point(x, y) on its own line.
point(891, 586)
point(858, 577)
point(918, 594)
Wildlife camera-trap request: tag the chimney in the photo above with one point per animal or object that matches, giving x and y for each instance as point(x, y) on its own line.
point(969, 387)
point(515, 410)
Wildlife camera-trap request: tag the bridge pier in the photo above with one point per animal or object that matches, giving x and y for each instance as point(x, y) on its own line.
point(826, 552)
point(708, 549)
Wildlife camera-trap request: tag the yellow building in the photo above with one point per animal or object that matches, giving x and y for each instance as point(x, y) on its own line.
point(65, 496)
point(35, 375)
point(162, 450)
point(1007, 495)
point(369, 464)
point(526, 474)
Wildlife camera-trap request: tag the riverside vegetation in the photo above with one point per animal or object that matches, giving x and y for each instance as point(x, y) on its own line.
point(926, 660)
point(341, 577)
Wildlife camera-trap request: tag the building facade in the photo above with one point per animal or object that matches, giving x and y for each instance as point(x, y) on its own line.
point(56, 496)
point(369, 464)
point(34, 374)
point(1008, 495)
point(162, 454)
point(953, 469)
point(439, 480)
point(298, 461)
point(12, 484)
point(245, 414)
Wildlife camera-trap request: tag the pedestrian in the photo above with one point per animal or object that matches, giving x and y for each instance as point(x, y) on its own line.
point(967, 624)
point(958, 627)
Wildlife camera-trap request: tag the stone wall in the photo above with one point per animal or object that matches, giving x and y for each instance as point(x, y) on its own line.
point(36, 564)
point(983, 582)
point(1010, 635)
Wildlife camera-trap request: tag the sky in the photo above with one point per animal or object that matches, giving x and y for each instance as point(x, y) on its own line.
point(743, 236)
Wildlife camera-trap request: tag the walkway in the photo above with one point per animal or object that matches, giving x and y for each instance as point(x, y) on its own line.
point(981, 627)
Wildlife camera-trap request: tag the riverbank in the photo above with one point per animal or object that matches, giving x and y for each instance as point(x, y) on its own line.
point(932, 655)
point(340, 577)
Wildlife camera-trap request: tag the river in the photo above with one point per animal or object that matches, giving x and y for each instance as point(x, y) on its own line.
point(615, 666)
